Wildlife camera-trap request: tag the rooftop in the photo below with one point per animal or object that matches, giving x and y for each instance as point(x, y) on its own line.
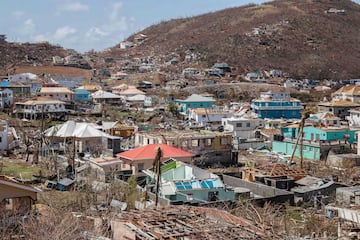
point(350, 89)
point(149, 152)
point(55, 90)
point(197, 98)
point(190, 223)
point(339, 103)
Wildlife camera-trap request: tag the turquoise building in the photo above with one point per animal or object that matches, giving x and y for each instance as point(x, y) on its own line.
point(277, 105)
point(316, 141)
point(82, 95)
point(194, 101)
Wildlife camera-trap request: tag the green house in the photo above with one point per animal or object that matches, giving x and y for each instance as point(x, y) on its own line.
point(194, 101)
point(316, 141)
point(183, 183)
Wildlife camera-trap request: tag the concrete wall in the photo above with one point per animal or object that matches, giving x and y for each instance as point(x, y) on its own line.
point(262, 191)
point(309, 151)
point(162, 201)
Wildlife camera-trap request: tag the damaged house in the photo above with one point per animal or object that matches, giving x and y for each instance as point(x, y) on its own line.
point(182, 183)
point(210, 148)
point(15, 197)
point(8, 136)
point(141, 158)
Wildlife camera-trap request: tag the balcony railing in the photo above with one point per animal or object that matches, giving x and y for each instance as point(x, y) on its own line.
point(277, 107)
point(317, 142)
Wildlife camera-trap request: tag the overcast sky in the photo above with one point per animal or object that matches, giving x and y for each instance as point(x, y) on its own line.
point(95, 24)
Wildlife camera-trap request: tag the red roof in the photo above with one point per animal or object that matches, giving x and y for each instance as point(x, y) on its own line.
point(149, 152)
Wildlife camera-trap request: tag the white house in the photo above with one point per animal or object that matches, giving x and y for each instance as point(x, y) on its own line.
point(6, 98)
point(325, 119)
point(36, 109)
point(190, 71)
point(202, 117)
point(354, 118)
point(243, 127)
point(8, 137)
point(126, 44)
point(106, 97)
point(348, 93)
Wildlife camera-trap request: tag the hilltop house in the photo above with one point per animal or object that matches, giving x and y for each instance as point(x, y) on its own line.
point(316, 141)
point(201, 117)
point(101, 96)
point(223, 66)
point(126, 44)
point(340, 108)
point(354, 118)
point(142, 158)
point(182, 183)
point(214, 72)
point(347, 93)
point(190, 71)
point(255, 76)
point(130, 91)
point(277, 105)
point(82, 95)
point(37, 109)
point(19, 90)
point(326, 119)
point(58, 93)
point(6, 98)
point(90, 87)
point(194, 101)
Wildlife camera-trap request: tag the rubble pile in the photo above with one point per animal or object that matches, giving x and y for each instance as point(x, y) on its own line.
point(191, 222)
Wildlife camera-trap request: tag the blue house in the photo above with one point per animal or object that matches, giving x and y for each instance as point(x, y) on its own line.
point(82, 95)
point(277, 105)
point(194, 101)
point(316, 142)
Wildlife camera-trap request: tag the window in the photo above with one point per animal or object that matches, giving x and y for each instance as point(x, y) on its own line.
point(208, 142)
point(189, 196)
point(195, 142)
point(140, 167)
point(203, 116)
point(248, 124)
point(239, 125)
point(223, 141)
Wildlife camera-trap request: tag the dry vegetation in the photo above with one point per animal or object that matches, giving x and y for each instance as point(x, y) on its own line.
point(295, 36)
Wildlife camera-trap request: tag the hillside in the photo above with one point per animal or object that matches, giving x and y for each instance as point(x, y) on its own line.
point(28, 54)
point(316, 39)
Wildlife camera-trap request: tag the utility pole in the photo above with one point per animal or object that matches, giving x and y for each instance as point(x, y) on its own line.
point(304, 116)
point(157, 170)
